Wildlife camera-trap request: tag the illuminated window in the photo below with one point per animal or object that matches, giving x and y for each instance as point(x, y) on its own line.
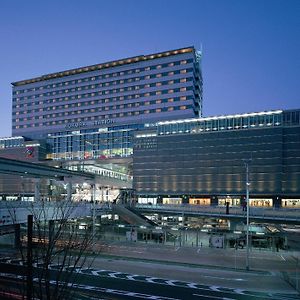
point(158, 84)
point(183, 62)
point(182, 107)
point(183, 98)
point(183, 71)
point(170, 108)
point(158, 75)
point(171, 64)
point(170, 91)
point(171, 73)
point(158, 93)
point(183, 89)
point(158, 101)
point(158, 67)
point(183, 80)
point(158, 110)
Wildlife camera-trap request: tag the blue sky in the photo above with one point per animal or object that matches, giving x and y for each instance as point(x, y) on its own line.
point(251, 49)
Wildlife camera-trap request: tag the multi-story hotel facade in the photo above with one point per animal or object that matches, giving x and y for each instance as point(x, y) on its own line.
point(90, 112)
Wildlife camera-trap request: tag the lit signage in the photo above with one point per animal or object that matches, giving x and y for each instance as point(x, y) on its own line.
point(86, 124)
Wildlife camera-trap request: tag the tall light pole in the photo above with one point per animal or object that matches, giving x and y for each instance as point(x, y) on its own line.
point(93, 216)
point(247, 212)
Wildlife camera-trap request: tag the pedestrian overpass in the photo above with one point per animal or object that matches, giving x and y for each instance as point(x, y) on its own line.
point(256, 214)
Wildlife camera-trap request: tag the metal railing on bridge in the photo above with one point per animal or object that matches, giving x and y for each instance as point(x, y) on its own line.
point(282, 215)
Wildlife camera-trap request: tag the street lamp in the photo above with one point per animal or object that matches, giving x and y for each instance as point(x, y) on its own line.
point(247, 162)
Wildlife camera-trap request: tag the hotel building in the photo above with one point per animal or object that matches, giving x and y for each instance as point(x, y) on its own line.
point(90, 112)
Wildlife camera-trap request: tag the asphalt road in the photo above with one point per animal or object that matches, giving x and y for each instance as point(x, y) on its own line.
point(141, 271)
point(106, 284)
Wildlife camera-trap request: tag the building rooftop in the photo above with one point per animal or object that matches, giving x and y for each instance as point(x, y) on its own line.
point(104, 65)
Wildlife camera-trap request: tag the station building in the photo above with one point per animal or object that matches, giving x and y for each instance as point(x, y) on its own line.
point(85, 118)
point(202, 160)
point(141, 118)
point(90, 112)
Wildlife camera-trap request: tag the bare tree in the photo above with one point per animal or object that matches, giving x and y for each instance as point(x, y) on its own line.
point(59, 248)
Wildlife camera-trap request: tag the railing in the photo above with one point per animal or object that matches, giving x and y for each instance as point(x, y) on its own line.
point(288, 214)
point(16, 211)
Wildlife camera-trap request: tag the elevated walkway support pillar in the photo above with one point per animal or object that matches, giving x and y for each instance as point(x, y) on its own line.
point(37, 190)
point(69, 191)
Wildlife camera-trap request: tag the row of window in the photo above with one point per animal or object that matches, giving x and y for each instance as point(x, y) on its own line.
point(93, 110)
point(110, 116)
point(104, 76)
point(221, 124)
point(88, 104)
point(99, 92)
point(106, 153)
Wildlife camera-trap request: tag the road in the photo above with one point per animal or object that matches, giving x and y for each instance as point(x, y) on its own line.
point(154, 271)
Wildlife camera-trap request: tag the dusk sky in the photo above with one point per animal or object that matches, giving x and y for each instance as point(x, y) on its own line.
point(251, 49)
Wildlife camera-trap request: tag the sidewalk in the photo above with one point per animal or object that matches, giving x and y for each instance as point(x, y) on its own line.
point(259, 260)
point(224, 267)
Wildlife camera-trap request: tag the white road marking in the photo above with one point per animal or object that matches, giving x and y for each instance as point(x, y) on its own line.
point(199, 249)
point(282, 257)
point(171, 282)
point(113, 275)
point(131, 277)
point(150, 279)
point(192, 285)
point(239, 291)
point(210, 297)
point(95, 272)
point(223, 278)
point(214, 288)
point(177, 248)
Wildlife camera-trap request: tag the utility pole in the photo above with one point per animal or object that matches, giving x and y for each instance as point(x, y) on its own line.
point(247, 213)
point(29, 257)
point(93, 216)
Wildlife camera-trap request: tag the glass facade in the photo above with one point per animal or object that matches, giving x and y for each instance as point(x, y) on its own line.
point(205, 156)
point(99, 143)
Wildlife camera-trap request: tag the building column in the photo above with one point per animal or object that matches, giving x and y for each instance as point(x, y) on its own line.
point(37, 194)
point(69, 191)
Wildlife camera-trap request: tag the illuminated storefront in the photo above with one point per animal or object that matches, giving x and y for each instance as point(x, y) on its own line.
point(231, 200)
point(261, 202)
point(173, 201)
point(200, 201)
point(290, 203)
point(147, 200)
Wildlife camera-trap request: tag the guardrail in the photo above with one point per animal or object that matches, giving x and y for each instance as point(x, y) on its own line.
point(270, 213)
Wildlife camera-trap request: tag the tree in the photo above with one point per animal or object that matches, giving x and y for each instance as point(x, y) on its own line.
point(58, 249)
